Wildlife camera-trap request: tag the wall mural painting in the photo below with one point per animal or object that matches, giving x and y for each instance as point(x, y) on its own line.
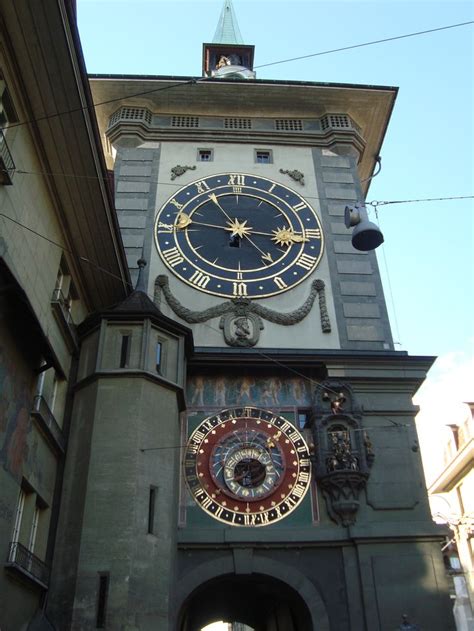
point(259, 391)
point(15, 422)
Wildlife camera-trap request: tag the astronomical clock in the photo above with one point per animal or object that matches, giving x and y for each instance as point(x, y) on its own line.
point(247, 466)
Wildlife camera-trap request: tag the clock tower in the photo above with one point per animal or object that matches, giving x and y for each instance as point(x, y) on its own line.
point(268, 472)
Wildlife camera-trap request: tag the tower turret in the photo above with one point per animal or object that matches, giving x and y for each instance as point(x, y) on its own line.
point(228, 56)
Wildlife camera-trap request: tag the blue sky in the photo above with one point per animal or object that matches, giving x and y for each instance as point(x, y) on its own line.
point(427, 260)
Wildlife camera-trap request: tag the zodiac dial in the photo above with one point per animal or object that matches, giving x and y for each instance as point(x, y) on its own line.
point(247, 467)
point(235, 235)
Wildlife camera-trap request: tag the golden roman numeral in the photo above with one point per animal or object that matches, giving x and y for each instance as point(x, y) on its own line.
point(175, 203)
point(202, 186)
point(279, 282)
point(299, 490)
point(303, 476)
point(173, 256)
point(197, 437)
point(206, 503)
point(199, 279)
point(300, 206)
point(240, 289)
point(236, 179)
point(311, 233)
point(290, 502)
point(306, 261)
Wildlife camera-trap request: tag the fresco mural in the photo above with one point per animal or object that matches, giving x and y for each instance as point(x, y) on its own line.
point(265, 391)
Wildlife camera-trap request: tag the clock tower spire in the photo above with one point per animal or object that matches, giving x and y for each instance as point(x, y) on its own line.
point(228, 57)
point(227, 31)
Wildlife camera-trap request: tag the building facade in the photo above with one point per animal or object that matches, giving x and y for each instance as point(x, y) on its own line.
point(53, 273)
point(241, 443)
point(453, 490)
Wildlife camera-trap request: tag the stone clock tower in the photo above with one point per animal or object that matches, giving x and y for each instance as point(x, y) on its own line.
point(269, 474)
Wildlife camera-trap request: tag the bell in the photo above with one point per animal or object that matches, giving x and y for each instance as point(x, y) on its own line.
point(366, 234)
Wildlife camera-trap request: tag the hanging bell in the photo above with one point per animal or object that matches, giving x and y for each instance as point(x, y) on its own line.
point(366, 235)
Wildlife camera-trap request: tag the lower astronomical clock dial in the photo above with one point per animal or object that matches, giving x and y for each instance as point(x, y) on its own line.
point(247, 467)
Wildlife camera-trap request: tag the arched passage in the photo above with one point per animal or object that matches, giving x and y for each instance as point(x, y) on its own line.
point(261, 602)
point(270, 597)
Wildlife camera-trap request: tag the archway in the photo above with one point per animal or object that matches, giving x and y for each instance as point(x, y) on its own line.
point(262, 602)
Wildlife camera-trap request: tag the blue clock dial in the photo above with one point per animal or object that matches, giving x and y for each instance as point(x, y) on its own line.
point(236, 234)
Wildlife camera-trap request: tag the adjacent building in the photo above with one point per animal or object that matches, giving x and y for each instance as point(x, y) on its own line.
point(61, 258)
point(454, 485)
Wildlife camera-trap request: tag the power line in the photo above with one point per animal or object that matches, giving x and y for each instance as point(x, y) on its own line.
point(313, 383)
point(64, 249)
point(94, 105)
point(413, 201)
point(374, 203)
point(318, 432)
point(377, 41)
point(203, 79)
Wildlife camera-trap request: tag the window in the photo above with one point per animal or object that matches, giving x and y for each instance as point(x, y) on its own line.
point(124, 351)
point(303, 418)
point(151, 509)
point(64, 291)
point(263, 156)
point(19, 516)
point(28, 529)
point(158, 356)
point(102, 600)
point(7, 109)
point(205, 155)
point(7, 116)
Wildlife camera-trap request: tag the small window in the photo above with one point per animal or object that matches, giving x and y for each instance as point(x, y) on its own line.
point(205, 155)
point(263, 156)
point(124, 351)
point(19, 515)
point(151, 509)
point(8, 113)
point(159, 356)
point(102, 600)
point(303, 418)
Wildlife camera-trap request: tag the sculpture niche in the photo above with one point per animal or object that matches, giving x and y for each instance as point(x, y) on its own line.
point(344, 453)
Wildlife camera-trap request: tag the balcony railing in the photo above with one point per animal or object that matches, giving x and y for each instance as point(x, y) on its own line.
point(62, 310)
point(7, 166)
point(22, 560)
point(48, 423)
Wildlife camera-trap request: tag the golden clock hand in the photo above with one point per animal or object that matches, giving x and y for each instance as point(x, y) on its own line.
point(213, 198)
point(201, 223)
point(266, 256)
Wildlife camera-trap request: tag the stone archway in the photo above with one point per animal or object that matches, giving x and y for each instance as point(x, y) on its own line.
point(268, 597)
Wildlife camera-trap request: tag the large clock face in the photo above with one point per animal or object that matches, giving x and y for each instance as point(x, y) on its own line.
point(247, 467)
point(236, 234)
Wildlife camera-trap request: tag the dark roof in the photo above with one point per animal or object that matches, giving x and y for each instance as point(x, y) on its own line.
point(138, 306)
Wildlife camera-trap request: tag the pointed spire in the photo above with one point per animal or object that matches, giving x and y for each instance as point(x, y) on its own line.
point(227, 31)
